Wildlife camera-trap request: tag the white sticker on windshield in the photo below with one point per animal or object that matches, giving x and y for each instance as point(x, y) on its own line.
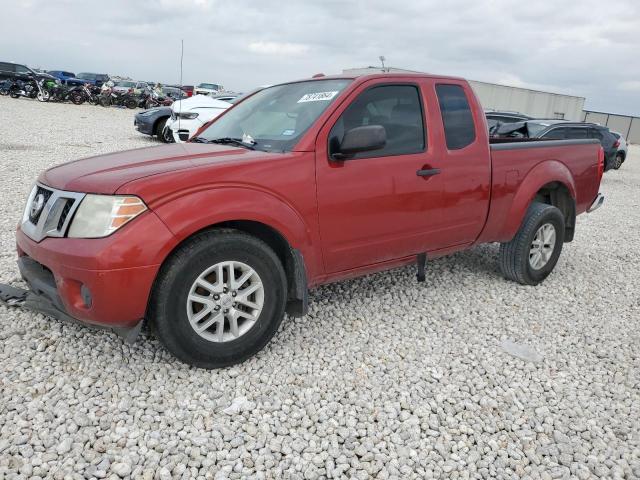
point(287, 133)
point(318, 97)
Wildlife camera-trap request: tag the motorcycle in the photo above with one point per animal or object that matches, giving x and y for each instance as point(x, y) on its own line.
point(46, 86)
point(58, 92)
point(108, 97)
point(85, 93)
point(21, 88)
point(150, 99)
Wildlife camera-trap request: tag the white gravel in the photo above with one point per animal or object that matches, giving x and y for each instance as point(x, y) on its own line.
point(385, 378)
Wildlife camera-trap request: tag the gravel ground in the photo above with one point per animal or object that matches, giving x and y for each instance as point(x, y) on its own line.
point(385, 378)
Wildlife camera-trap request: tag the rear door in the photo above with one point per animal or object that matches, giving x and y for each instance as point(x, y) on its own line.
point(375, 207)
point(463, 152)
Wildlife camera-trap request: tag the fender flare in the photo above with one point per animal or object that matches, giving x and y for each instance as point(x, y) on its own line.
point(549, 171)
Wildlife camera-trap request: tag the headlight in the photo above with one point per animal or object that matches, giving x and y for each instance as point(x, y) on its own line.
point(188, 115)
point(101, 215)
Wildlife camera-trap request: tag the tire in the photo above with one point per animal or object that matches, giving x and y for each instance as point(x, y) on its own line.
point(163, 136)
point(169, 303)
point(131, 103)
point(77, 99)
point(516, 259)
point(43, 96)
point(105, 101)
point(617, 162)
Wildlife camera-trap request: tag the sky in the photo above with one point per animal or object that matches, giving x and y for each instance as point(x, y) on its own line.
point(585, 48)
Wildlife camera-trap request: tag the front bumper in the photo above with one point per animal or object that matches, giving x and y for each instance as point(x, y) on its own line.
point(184, 129)
point(105, 281)
point(43, 298)
point(143, 124)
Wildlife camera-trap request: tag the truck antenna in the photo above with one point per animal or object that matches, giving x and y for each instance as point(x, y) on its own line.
point(181, 85)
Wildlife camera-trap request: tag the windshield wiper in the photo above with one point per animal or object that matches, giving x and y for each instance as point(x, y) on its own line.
point(233, 141)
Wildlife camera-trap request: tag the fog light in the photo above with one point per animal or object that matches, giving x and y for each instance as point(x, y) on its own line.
point(86, 295)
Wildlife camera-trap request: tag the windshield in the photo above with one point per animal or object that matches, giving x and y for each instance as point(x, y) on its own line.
point(275, 118)
point(87, 76)
point(210, 86)
point(126, 84)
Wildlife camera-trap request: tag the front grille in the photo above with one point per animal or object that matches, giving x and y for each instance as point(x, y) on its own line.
point(49, 212)
point(34, 215)
point(65, 213)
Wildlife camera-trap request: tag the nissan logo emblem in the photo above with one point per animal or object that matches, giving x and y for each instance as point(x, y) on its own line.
point(37, 205)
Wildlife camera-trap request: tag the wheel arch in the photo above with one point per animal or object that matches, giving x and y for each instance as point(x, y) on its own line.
point(257, 213)
point(548, 182)
point(157, 121)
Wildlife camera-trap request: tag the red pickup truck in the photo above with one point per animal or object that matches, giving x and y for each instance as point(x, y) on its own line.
point(298, 185)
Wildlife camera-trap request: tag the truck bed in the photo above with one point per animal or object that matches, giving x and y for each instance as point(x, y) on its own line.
point(514, 160)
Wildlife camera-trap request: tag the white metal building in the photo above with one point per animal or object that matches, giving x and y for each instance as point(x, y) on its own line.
point(514, 99)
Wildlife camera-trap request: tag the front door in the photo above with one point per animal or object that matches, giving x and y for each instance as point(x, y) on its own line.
point(383, 204)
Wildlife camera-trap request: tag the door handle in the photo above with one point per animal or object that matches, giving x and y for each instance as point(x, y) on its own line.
point(429, 172)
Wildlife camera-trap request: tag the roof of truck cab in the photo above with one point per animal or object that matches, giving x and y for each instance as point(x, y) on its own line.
point(374, 76)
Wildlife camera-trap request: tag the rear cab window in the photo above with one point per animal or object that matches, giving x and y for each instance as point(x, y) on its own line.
point(457, 118)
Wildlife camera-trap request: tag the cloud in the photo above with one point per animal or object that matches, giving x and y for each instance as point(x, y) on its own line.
point(579, 48)
point(278, 48)
point(630, 86)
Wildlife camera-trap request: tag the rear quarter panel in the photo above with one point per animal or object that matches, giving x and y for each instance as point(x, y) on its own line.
point(520, 170)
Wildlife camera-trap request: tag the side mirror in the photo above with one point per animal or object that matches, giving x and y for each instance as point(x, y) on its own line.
point(361, 139)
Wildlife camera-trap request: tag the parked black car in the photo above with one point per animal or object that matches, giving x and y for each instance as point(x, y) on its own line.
point(152, 122)
point(15, 71)
point(562, 130)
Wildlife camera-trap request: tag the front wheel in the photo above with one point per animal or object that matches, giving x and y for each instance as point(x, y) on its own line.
point(219, 299)
point(532, 254)
point(163, 134)
point(131, 103)
point(43, 96)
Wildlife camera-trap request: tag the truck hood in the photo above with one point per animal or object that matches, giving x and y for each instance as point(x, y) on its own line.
point(107, 173)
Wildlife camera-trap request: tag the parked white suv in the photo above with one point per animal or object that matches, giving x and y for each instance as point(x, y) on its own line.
point(188, 115)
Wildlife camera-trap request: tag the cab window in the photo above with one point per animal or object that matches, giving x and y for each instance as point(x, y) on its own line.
point(397, 108)
point(459, 127)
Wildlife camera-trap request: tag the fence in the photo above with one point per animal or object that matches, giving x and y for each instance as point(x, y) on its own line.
point(627, 125)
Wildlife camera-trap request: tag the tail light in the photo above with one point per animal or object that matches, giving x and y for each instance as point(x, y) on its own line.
point(600, 163)
point(617, 144)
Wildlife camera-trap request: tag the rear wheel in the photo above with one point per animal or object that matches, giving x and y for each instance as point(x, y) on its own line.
point(105, 101)
point(617, 163)
point(219, 299)
point(533, 253)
